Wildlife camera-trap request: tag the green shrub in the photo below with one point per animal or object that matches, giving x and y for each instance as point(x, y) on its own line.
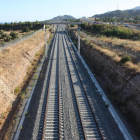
point(1, 31)
point(110, 30)
point(50, 30)
point(135, 38)
point(16, 89)
point(31, 26)
point(125, 59)
point(7, 38)
point(46, 26)
point(91, 45)
point(72, 25)
point(4, 35)
point(14, 35)
point(26, 29)
point(22, 95)
point(86, 41)
point(26, 113)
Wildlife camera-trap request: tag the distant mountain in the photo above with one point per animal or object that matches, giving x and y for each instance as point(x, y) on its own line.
point(124, 13)
point(136, 8)
point(63, 17)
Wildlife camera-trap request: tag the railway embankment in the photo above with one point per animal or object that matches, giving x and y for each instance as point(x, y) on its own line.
point(17, 65)
point(119, 79)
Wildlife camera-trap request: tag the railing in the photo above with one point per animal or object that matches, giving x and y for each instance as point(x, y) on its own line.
point(13, 42)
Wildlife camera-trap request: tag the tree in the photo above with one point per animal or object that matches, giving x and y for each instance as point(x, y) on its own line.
point(6, 24)
point(26, 22)
point(15, 23)
point(26, 29)
point(31, 26)
point(12, 24)
point(20, 23)
point(29, 23)
point(36, 22)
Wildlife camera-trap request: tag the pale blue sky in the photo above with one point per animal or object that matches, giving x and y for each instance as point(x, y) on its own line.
point(31, 10)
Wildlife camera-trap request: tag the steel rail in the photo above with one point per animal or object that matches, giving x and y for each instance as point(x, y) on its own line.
point(72, 84)
point(86, 95)
point(55, 41)
point(58, 90)
point(84, 92)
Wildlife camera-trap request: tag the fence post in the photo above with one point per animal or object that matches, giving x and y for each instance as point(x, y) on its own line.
point(79, 39)
point(45, 42)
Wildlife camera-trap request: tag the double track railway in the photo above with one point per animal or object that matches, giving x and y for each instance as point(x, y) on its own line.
point(52, 126)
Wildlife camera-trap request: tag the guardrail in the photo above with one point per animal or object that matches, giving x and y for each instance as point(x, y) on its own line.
point(13, 42)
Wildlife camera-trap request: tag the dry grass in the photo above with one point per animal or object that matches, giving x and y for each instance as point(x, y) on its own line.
point(13, 53)
point(116, 57)
point(19, 32)
point(12, 58)
point(134, 45)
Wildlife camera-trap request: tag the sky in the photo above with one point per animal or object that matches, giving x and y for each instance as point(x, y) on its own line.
point(32, 10)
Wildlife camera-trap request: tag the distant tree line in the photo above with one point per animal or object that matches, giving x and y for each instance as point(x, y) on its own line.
point(119, 19)
point(21, 26)
point(112, 31)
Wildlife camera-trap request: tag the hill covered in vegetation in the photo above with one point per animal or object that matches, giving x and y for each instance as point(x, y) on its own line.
point(125, 13)
point(63, 17)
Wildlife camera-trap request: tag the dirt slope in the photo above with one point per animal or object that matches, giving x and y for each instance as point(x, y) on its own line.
point(14, 63)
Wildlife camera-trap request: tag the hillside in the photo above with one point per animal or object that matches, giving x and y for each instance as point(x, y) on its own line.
point(63, 17)
point(136, 8)
point(125, 13)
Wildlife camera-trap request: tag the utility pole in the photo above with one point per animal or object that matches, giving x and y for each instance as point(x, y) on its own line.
point(45, 42)
point(79, 39)
point(67, 29)
point(117, 14)
point(133, 17)
point(54, 28)
point(107, 16)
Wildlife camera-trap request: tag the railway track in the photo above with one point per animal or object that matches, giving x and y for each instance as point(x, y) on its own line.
point(90, 125)
point(52, 118)
point(70, 106)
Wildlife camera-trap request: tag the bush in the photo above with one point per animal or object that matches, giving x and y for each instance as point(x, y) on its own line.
point(46, 26)
point(4, 35)
point(0, 37)
point(16, 89)
point(135, 38)
point(14, 35)
point(50, 30)
point(72, 25)
point(125, 59)
point(91, 45)
point(86, 41)
point(31, 26)
point(8, 38)
point(110, 30)
point(26, 29)
point(1, 32)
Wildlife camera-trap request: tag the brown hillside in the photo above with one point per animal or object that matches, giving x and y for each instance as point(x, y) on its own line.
point(14, 63)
